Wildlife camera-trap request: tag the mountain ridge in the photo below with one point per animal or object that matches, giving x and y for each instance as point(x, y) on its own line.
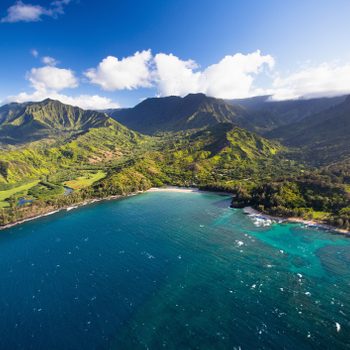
point(175, 113)
point(259, 114)
point(203, 142)
point(266, 114)
point(20, 123)
point(325, 134)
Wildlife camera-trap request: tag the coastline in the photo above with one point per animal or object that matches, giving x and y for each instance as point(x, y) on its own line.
point(96, 200)
point(178, 189)
point(294, 220)
point(181, 189)
point(65, 208)
point(174, 189)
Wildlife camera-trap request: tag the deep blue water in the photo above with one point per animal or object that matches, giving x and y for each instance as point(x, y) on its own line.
point(175, 271)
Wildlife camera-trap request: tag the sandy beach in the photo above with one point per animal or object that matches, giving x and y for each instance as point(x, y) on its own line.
point(247, 210)
point(114, 197)
point(95, 200)
point(173, 189)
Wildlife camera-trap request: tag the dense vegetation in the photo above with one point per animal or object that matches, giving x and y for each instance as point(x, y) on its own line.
point(323, 138)
point(81, 155)
point(321, 195)
point(174, 113)
point(21, 123)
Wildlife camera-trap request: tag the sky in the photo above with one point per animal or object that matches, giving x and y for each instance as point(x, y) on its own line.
point(113, 53)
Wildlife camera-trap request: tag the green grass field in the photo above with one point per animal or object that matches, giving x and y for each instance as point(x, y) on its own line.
point(10, 192)
point(319, 215)
point(85, 181)
point(45, 190)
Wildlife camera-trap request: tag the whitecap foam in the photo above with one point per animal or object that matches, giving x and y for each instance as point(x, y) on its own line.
point(261, 221)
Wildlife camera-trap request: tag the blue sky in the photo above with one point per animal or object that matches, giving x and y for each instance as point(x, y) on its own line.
point(284, 48)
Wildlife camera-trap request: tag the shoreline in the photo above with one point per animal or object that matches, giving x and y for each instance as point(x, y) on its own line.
point(294, 220)
point(67, 208)
point(181, 189)
point(178, 189)
point(174, 189)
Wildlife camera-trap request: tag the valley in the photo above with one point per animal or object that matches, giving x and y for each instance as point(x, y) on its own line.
point(195, 141)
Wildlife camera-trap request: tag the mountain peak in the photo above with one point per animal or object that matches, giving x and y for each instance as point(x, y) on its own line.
point(48, 101)
point(172, 113)
point(48, 118)
point(196, 95)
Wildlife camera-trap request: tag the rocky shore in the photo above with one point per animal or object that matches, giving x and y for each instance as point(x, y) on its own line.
point(262, 219)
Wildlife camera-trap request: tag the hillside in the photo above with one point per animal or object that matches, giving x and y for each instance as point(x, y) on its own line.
point(21, 123)
point(221, 156)
point(195, 111)
point(200, 141)
point(265, 114)
point(96, 148)
point(173, 113)
point(324, 136)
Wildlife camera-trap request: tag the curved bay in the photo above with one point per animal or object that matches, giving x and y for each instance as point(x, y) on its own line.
point(173, 270)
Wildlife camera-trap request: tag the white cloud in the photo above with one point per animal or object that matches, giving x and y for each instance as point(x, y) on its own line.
point(323, 80)
point(50, 61)
point(235, 77)
point(174, 76)
point(48, 81)
point(52, 78)
point(82, 101)
point(21, 12)
point(34, 53)
point(232, 77)
point(128, 73)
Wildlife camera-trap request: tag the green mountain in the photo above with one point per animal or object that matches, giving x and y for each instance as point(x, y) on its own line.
point(21, 123)
point(220, 156)
point(173, 113)
point(195, 111)
point(265, 114)
point(96, 149)
point(324, 136)
point(198, 141)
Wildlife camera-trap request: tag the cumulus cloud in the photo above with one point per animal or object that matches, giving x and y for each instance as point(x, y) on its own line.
point(52, 78)
point(21, 12)
point(234, 76)
point(48, 82)
point(174, 76)
point(50, 61)
point(322, 80)
point(128, 73)
point(82, 101)
point(231, 77)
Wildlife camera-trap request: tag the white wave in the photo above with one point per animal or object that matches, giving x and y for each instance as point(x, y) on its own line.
point(261, 221)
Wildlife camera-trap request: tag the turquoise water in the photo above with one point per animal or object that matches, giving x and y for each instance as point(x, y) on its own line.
point(175, 271)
